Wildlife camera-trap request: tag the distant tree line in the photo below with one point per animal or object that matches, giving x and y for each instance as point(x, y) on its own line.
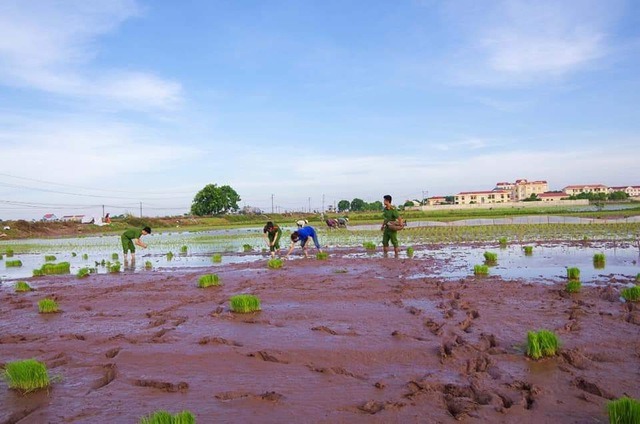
point(359, 205)
point(616, 195)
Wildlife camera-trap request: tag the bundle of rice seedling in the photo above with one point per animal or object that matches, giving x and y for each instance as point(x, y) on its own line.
point(410, 252)
point(599, 260)
point(164, 417)
point(573, 286)
point(631, 294)
point(22, 286)
point(528, 250)
point(16, 263)
point(480, 270)
point(624, 411)
point(208, 280)
point(542, 343)
point(322, 256)
point(244, 303)
point(573, 273)
point(26, 376)
point(275, 263)
point(216, 258)
point(490, 258)
point(47, 306)
point(369, 245)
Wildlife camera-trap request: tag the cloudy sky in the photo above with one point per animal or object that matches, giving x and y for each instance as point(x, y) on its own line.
point(117, 102)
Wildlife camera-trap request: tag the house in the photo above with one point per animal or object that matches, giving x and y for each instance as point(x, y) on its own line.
point(49, 217)
point(574, 190)
point(523, 189)
point(632, 191)
point(482, 197)
point(436, 200)
point(552, 196)
point(72, 218)
point(504, 185)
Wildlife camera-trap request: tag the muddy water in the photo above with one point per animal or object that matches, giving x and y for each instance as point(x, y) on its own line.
point(371, 344)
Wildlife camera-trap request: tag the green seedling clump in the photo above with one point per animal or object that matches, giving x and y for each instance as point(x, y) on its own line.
point(631, 294)
point(26, 376)
point(247, 248)
point(169, 256)
point(244, 303)
point(624, 411)
point(528, 250)
point(47, 306)
point(208, 280)
point(216, 258)
point(599, 260)
point(502, 241)
point(542, 343)
point(323, 256)
point(22, 286)
point(148, 265)
point(275, 263)
point(85, 256)
point(84, 272)
point(74, 254)
point(164, 417)
point(573, 286)
point(114, 268)
point(369, 245)
point(490, 258)
point(573, 273)
point(638, 278)
point(410, 252)
point(49, 258)
point(480, 270)
point(16, 263)
point(53, 269)
point(184, 249)
point(114, 257)
point(9, 253)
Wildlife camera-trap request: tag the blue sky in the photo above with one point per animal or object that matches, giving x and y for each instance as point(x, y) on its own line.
point(118, 102)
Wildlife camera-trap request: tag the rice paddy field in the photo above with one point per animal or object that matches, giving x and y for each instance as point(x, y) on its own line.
point(355, 337)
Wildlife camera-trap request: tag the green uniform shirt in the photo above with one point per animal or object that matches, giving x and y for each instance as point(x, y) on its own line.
point(390, 214)
point(132, 233)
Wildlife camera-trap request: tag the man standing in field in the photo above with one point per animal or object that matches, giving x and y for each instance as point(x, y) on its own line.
point(272, 234)
point(390, 214)
point(130, 238)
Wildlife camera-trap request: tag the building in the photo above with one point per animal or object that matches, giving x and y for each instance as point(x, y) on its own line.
point(436, 200)
point(632, 191)
point(574, 190)
point(552, 196)
point(49, 217)
point(504, 186)
point(523, 189)
point(482, 197)
point(72, 218)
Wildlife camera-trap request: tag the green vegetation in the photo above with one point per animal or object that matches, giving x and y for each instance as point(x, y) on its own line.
point(480, 270)
point(275, 263)
point(528, 250)
point(214, 200)
point(638, 278)
point(9, 253)
point(74, 254)
point(323, 256)
point(410, 252)
point(490, 258)
point(369, 245)
point(624, 411)
point(208, 280)
point(247, 248)
point(573, 286)
point(84, 272)
point(184, 250)
point(114, 257)
point(16, 263)
point(573, 274)
point(50, 258)
point(216, 258)
point(164, 417)
point(114, 268)
point(599, 260)
point(542, 343)
point(169, 256)
point(148, 265)
point(631, 294)
point(85, 256)
point(53, 269)
point(22, 286)
point(47, 306)
point(26, 376)
point(244, 303)
point(502, 241)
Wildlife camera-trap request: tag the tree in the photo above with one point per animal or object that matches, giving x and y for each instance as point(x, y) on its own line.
point(343, 205)
point(357, 205)
point(213, 200)
point(618, 195)
point(374, 206)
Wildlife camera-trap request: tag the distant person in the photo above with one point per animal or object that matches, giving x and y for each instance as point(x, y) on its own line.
point(332, 223)
point(390, 214)
point(107, 219)
point(301, 223)
point(303, 235)
point(130, 238)
point(342, 222)
point(272, 234)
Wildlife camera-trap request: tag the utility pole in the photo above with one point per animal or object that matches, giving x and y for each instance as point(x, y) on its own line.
point(309, 204)
point(103, 211)
point(271, 203)
point(140, 209)
point(322, 204)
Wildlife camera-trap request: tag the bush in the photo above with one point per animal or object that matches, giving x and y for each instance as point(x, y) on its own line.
point(49, 258)
point(624, 411)
point(631, 294)
point(16, 263)
point(216, 258)
point(480, 270)
point(542, 343)
point(247, 248)
point(573, 274)
point(22, 286)
point(528, 250)
point(164, 417)
point(323, 256)
point(410, 252)
point(573, 286)
point(47, 306)
point(244, 303)
point(369, 245)
point(208, 280)
point(275, 263)
point(490, 258)
point(26, 376)
point(599, 260)
point(53, 269)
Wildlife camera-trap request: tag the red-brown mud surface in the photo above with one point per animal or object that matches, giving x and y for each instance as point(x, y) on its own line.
point(366, 345)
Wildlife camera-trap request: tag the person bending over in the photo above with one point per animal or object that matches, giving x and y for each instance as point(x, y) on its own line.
point(130, 238)
point(303, 235)
point(272, 234)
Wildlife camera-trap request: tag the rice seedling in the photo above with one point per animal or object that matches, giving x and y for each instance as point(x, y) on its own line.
point(542, 343)
point(169, 256)
point(9, 253)
point(322, 256)
point(631, 294)
point(490, 258)
point(573, 273)
point(114, 268)
point(573, 286)
point(148, 265)
point(410, 252)
point(47, 306)
point(51, 269)
point(85, 256)
point(528, 250)
point(275, 263)
point(184, 249)
point(638, 278)
point(216, 258)
point(244, 303)
point(16, 263)
point(164, 417)
point(114, 257)
point(208, 280)
point(49, 258)
point(480, 270)
point(599, 260)
point(1, 257)
point(247, 248)
point(624, 411)
point(83, 272)
point(22, 286)
point(369, 245)
point(502, 241)
point(26, 376)
point(74, 254)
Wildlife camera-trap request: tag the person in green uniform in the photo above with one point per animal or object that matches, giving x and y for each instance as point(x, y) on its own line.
point(389, 214)
point(130, 238)
point(272, 234)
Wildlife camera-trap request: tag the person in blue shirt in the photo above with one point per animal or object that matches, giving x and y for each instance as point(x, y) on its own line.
point(303, 234)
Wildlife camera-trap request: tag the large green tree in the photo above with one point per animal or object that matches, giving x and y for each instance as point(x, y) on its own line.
point(343, 205)
point(213, 200)
point(357, 205)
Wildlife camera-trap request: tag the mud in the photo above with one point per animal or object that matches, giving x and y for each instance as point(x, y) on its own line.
point(366, 345)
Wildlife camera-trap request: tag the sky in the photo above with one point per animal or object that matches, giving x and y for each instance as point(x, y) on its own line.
point(125, 103)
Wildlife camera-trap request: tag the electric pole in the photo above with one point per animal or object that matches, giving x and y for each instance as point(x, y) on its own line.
point(309, 204)
point(140, 209)
point(103, 211)
point(322, 204)
point(271, 203)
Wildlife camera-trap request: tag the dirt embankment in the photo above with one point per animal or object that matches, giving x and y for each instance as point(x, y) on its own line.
point(343, 340)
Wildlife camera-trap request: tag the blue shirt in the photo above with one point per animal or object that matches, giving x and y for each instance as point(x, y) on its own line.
point(306, 232)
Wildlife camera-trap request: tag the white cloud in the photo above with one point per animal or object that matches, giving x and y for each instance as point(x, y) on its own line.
point(50, 46)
